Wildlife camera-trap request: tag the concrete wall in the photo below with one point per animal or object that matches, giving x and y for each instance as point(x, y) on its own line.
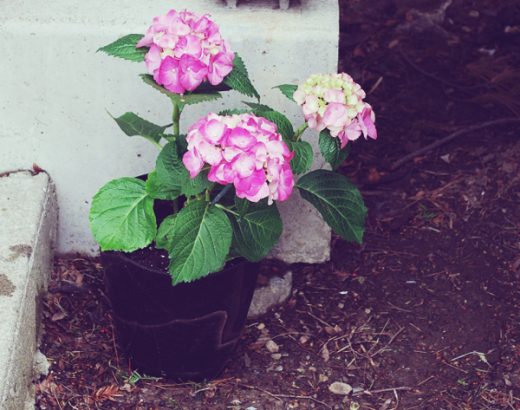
point(55, 91)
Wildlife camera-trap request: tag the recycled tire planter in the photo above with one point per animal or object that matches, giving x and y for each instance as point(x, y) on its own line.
point(183, 332)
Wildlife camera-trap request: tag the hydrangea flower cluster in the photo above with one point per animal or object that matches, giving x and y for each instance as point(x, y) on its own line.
point(335, 102)
point(244, 150)
point(186, 50)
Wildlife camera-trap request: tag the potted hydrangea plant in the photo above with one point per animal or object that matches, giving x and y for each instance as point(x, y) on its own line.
point(179, 245)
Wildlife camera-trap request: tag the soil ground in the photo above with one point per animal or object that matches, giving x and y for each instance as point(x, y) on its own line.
point(424, 315)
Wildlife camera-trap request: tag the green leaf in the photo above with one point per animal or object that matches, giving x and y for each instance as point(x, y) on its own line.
point(194, 186)
point(122, 216)
point(182, 144)
point(164, 239)
point(287, 90)
point(303, 156)
point(125, 48)
point(236, 111)
point(256, 230)
point(258, 109)
point(238, 79)
point(283, 124)
point(171, 178)
point(330, 148)
point(182, 99)
point(201, 238)
point(131, 124)
point(338, 201)
point(162, 187)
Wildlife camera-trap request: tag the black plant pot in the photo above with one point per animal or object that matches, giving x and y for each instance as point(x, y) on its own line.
point(184, 332)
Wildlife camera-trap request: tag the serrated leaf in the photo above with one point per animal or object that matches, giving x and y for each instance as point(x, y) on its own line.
point(164, 239)
point(122, 217)
point(197, 185)
point(125, 48)
point(303, 156)
point(258, 108)
point(201, 239)
point(162, 187)
point(172, 178)
point(182, 99)
point(238, 79)
point(131, 124)
point(283, 124)
point(337, 200)
point(236, 111)
point(287, 90)
point(330, 148)
point(256, 230)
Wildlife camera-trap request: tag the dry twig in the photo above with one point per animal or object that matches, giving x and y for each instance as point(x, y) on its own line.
point(450, 137)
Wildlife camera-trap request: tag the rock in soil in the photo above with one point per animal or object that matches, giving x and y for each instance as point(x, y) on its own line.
point(340, 388)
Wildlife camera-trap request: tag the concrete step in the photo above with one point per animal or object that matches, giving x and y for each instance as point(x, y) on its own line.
point(28, 221)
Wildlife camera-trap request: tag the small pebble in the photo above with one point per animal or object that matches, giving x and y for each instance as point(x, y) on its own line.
point(322, 378)
point(276, 356)
point(272, 346)
point(260, 326)
point(279, 368)
point(340, 388)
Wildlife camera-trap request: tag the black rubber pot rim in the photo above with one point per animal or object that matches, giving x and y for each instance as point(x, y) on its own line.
point(123, 256)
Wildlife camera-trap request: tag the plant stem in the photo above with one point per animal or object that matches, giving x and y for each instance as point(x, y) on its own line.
point(227, 209)
point(176, 117)
point(221, 194)
point(299, 132)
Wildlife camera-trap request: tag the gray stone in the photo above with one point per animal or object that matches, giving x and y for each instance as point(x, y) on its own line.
point(339, 388)
point(28, 213)
point(265, 297)
point(41, 365)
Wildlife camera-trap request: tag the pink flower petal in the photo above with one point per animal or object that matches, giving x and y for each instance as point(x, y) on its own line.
point(193, 163)
point(169, 75)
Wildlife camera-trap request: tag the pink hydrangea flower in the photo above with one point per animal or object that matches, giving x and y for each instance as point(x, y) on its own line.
point(185, 50)
point(244, 150)
point(335, 102)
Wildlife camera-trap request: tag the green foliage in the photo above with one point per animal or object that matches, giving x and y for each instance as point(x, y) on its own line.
point(338, 201)
point(238, 79)
point(162, 187)
point(122, 217)
point(287, 90)
point(330, 148)
point(185, 99)
point(131, 124)
point(303, 156)
point(256, 229)
point(171, 178)
point(236, 111)
point(125, 48)
point(200, 240)
point(164, 238)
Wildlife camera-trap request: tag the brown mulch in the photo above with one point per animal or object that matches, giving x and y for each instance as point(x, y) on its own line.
point(424, 315)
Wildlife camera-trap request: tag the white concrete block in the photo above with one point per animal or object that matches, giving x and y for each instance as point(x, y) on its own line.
point(28, 217)
point(53, 102)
